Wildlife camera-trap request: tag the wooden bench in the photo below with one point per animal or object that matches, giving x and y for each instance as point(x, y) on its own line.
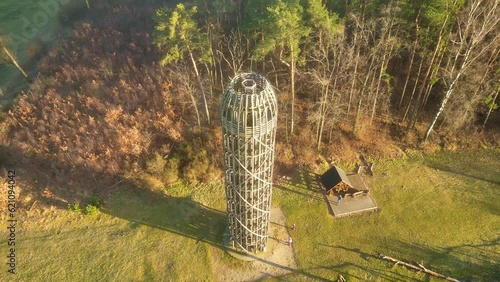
point(357, 193)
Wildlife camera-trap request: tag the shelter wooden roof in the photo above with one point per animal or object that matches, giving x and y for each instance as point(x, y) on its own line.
point(334, 176)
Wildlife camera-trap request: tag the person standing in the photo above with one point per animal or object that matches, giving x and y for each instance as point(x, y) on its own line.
point(339, 199)
point(294, 226)
point(290, 241)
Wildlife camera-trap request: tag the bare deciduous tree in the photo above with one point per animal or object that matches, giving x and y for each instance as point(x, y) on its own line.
point(477, 21)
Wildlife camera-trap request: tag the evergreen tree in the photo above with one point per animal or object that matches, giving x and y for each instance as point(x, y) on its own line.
point(282, 31)
point(178, 31)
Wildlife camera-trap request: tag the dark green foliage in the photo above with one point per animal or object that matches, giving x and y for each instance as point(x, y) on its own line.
point(178, 30)
point(283, 28)
point(94, 202)
point(93, 206)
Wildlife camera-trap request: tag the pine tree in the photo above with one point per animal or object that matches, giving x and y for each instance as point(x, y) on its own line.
point(282, 33)
point(178, 31)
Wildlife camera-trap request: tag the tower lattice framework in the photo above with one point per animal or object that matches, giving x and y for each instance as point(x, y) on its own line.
point(249, 117)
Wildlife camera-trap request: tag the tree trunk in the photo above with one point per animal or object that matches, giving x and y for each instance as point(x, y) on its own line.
point(490, 109)
point(413, 93)
point(415, 46)
point(355, 44)
point(353, 81)
point(211, 78)
point(414, 114)
point(419, 268)
point(383, 66)
point(470, 38)
point(200, 83)
point(193, 100)
point(361, 94)
point(292, 78)
point(430, 85)
point(443, 104)
point(407, 76)
point(16, 64)
point(377, 91)
point(323, 116)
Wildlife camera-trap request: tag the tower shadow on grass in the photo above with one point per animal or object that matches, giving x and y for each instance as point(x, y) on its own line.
point(178, 215)
point(304, 183)
point(54, 184)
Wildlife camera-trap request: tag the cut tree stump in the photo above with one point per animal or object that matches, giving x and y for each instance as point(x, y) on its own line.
point(366, 165)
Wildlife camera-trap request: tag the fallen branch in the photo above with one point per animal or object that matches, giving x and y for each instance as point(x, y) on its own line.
point(419, 267)
point(32, 205)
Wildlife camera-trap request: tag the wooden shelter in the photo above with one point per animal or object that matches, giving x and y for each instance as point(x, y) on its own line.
point(335, 180)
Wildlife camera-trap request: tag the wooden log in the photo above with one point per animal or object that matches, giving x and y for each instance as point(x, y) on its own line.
point(418, 267)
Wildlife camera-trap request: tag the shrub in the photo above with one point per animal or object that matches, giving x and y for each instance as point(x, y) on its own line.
point(156, 166)
point(91, 209)
point(171, 171)
point(196, 162)
point(74, 208)
point(94, 202)
point(165, 170)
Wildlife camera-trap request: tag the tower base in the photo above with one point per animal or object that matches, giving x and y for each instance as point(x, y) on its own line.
point(275, 232)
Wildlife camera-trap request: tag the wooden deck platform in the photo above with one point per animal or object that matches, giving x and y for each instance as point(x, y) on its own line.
point(353, 204)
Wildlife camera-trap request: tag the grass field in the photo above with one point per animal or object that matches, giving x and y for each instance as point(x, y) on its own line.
point(440, 210)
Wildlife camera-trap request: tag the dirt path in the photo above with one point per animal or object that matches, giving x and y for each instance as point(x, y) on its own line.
point(278, 261)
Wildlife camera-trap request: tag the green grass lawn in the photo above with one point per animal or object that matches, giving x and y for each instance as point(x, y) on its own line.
point(440, 210)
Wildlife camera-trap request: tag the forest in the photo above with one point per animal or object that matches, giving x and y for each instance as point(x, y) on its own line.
point(135, 90)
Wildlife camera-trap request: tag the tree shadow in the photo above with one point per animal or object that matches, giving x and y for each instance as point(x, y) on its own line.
point(369, 258)
point(54, 184)
point(479, 168)
point(303, 183)
point(363, 255)
point(450, 169)
point(466, 262)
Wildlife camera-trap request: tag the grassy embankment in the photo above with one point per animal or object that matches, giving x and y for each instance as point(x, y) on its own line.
point(440, 210)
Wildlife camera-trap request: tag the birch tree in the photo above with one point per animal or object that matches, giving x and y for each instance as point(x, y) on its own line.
point(7, 56)
point(476, 32)
point(490, 102)
point(437, 13)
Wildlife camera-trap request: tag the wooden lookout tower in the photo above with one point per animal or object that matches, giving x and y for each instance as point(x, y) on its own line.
point(249, 117)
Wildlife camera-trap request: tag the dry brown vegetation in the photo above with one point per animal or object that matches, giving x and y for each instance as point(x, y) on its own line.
point(105, 109)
